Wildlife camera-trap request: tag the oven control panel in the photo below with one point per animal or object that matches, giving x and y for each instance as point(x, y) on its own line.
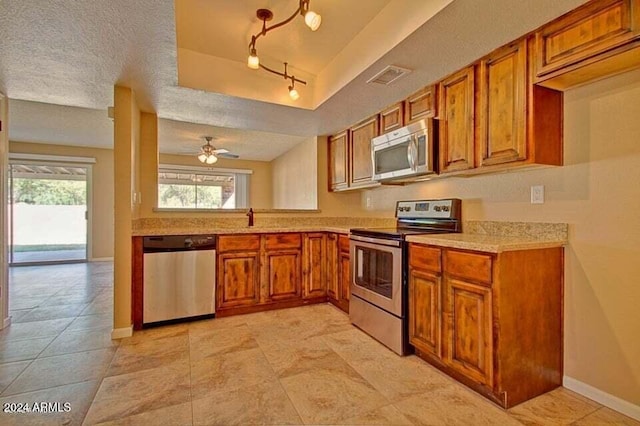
point(438, 209)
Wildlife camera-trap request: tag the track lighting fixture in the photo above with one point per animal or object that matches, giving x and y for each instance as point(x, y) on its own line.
point(311, 19)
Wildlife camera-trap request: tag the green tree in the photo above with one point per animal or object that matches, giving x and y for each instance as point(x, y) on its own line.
point(49, 192)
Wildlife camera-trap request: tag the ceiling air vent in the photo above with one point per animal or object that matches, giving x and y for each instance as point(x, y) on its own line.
point(388, 75)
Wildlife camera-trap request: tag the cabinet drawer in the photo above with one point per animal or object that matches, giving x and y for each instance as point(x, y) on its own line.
point(423, 257)
point(343, 243)
point(472, 266)
point(238, 242)
point(282, 241)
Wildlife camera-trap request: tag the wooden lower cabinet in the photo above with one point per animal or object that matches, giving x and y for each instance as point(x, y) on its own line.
point(339, 280)
point(345, 277)
point(258, 272)
point(467, 332)
point(425, 290)
point(314, 270)
point(238, 279)
point(332, 262)
point(493, 321)
point(240, 284)
point(283, 274)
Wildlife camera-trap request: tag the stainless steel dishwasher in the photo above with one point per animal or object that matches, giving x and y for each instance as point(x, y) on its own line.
point(179, 278)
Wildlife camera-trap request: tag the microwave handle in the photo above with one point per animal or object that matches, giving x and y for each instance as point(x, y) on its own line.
point(412, 152)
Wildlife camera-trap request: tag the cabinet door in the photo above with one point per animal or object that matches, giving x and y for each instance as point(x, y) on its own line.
point(457, 109)
point(421, 104)
point(392, 118)
point(314, 270)
point(333, 281)
point(424, 311)
point(468, 331)
point(361, 170)
point(283, 274)
point(580, 36)
point(502, 114)
point(338, 161)
point(345, 277)
point(238, 279)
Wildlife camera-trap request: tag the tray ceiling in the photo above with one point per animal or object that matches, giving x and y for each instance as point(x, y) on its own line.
point(72, 53)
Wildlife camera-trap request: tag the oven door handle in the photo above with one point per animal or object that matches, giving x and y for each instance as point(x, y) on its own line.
point(391, 243)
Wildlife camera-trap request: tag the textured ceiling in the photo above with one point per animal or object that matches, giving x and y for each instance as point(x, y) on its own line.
point(186, 138)
point(71, 53)
point(63, 125)
point(59, 125)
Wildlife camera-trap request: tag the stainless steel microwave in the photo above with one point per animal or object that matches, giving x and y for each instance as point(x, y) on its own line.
point(404, 154)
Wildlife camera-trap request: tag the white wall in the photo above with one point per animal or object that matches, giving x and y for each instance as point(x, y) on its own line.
point(597, 193)
point(295, 177)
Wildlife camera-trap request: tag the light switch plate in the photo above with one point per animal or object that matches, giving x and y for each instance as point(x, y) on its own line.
point(537, 194)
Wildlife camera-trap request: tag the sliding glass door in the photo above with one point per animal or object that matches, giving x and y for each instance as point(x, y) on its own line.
point(47, 213)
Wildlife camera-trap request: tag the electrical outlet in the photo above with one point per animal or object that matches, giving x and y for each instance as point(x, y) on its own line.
point(537, 194)
point(368, 201)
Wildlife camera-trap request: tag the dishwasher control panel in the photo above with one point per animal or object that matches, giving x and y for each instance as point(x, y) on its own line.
point(166, 243)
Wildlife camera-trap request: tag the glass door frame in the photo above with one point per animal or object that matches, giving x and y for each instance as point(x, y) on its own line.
point(54, 161)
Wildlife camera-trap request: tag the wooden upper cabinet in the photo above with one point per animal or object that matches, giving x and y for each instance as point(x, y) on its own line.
point(457, 109)
point(517, 123)
point(392, 118)
point(598, 39)
point(361, 167)
point(421, 104)
point(502, 113)
point(338, 157)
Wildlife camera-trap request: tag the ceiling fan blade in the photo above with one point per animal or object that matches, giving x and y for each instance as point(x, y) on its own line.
point(220, 151)
point(227, 155)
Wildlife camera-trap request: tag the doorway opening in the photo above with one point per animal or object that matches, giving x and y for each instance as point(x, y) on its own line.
point(48, 213)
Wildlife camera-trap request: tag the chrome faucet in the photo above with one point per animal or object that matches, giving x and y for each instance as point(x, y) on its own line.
point(250, 214)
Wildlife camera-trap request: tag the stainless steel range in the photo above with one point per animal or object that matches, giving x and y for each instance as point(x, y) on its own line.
point(379, 283)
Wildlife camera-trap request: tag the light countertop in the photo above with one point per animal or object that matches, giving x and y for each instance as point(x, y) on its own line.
point(487, 243)
point(243, 230)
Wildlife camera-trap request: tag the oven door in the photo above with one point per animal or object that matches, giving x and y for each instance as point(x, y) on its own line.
point(376, 271)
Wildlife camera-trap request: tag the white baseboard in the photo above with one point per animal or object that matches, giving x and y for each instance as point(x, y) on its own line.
point(7, 322)
point(121, 333)
point(101, 259)
point(606, 399)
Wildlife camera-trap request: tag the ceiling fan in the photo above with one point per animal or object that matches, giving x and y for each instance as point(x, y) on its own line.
point(209, 154)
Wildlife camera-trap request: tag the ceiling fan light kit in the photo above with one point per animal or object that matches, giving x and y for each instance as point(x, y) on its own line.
point(311, 19)
point(209, 154)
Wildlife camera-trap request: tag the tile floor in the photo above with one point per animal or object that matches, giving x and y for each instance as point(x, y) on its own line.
point(305, 365)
